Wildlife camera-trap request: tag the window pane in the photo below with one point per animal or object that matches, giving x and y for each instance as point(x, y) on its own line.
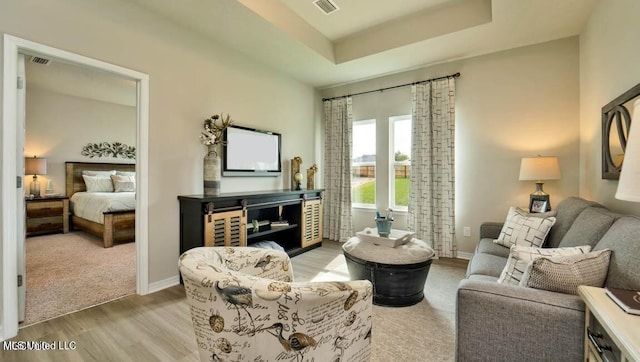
point(402, 161)
point(363, 163)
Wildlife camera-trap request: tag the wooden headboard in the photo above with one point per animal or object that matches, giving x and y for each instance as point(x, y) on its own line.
point(74, 180)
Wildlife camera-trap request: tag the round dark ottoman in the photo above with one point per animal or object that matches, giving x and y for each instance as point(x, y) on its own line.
point(397, 274)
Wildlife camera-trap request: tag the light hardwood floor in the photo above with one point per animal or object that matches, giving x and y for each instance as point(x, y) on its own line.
point(154, 327)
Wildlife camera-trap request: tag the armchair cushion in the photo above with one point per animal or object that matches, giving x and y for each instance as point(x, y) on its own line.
point(244, 306)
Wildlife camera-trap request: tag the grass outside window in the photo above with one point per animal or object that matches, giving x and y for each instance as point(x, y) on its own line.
point(365, 192)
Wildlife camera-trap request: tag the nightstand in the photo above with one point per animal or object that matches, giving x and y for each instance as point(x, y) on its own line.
point(47, 215)
point(610, 333)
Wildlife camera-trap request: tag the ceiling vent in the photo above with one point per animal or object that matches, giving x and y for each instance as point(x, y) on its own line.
point(39, 60)
point(326, 6)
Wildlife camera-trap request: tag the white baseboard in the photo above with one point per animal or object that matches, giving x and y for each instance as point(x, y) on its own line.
point(463, 255)
point(164, 284)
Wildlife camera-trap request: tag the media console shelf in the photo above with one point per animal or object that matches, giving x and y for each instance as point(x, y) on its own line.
point(227, 219)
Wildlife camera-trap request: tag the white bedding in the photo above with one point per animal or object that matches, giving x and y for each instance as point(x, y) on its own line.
point(92, 205)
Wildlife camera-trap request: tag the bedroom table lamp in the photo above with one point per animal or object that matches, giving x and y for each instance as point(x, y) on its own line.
point(539, 169)
point(35, 166)
point(629, 182)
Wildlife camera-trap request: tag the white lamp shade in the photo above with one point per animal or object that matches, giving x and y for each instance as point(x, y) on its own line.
point(629, 183)
point(35, 166)
point(539, 168)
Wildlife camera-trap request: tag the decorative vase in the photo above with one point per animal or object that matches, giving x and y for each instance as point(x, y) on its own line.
point(211, 174)
point(384, 226)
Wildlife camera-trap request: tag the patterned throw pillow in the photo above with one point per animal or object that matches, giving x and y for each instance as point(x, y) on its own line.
point(521, 256)
point(564, 274)
point(98, 183)
point(522, 228)
point(123, 183)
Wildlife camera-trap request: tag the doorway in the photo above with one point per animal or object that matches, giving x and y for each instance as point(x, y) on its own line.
point(13, 197)
point(68, 106)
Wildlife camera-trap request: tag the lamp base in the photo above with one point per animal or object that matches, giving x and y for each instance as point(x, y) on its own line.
point(35, 187)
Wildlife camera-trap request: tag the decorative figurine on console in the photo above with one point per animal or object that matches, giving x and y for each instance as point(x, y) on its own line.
point(296, 176)
point(311, 176)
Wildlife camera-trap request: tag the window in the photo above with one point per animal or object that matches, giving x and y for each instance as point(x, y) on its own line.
point(363, 164)
point(400, 165)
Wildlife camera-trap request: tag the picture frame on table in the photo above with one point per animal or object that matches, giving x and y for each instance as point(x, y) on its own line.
point(539, 203)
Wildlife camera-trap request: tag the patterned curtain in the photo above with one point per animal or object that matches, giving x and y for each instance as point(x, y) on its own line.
point(432, 190)
point(338, 117)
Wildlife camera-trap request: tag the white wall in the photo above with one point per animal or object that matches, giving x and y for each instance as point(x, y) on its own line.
point(58, 126)
point(191, 78)
point(609, 66)
point(512, 104)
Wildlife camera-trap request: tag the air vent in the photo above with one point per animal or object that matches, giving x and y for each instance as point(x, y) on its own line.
point(327, 6)
point(39, 60)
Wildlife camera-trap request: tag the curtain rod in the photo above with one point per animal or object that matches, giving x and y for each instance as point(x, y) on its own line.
point(456, 75)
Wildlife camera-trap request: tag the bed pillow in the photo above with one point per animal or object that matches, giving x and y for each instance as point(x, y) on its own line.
point(98, 183)
point(564, 274)
point(103, 174)
point(521, 256)
point(126, 173)
point(123, 183)
point(523, 228)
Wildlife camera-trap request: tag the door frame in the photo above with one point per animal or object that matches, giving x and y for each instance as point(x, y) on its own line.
point(12, 46)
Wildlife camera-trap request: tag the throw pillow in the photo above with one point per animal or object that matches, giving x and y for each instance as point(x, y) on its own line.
point(564, 274)
point(126, 173)
point(521, 256)
point(103, 174)
point(98, 183)
point(123, 183)
point(522, 228)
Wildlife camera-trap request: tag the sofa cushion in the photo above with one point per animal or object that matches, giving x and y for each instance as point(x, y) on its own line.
point(522, 228)
point(485, 278)
point(486, 264)
point(568, 210)
point(564, 274)
point(487, 246)
point(589, 227)
point(623, 238)
point(521, 256)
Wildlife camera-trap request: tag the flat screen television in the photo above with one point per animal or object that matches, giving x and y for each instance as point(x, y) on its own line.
point(251, 152)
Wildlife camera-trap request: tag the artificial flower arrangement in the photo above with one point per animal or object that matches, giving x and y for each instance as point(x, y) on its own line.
point(388, 216)
point(214, 126)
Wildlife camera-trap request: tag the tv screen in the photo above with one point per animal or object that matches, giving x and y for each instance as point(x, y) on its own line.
point(251, 152)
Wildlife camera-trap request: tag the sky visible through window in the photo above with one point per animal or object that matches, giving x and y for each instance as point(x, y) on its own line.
point(364, 140)
point(402, 136)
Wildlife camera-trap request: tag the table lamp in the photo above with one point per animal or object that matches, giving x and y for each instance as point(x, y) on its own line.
point(629, 182)
point(35, 166)
point(539, 169)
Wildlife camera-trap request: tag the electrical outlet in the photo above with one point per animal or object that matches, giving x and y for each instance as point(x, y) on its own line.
point(466, 231)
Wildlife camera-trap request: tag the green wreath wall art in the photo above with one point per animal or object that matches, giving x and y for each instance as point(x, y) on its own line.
point(106, 149)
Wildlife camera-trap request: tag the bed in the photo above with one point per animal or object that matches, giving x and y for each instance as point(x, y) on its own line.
point(117, 225)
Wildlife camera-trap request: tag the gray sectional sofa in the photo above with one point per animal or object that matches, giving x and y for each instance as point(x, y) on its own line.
point(499, 322)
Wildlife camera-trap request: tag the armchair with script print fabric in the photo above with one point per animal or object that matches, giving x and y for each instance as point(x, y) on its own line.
point(245, 306)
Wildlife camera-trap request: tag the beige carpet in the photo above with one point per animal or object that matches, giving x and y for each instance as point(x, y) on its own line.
point(70, 272)
point(422, 332)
